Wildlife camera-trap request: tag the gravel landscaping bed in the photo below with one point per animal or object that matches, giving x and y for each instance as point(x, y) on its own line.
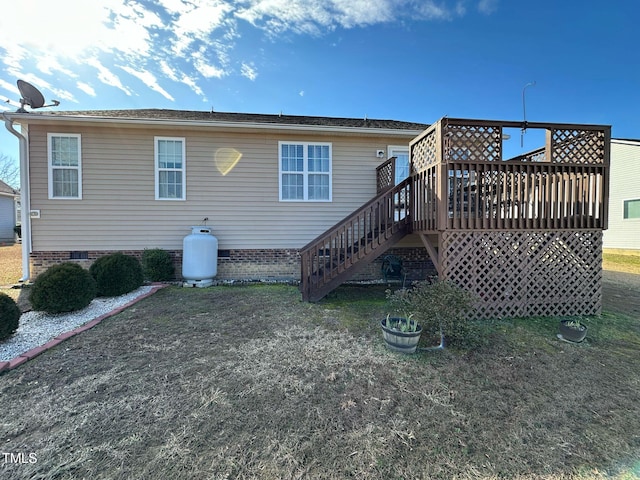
point(37, 328)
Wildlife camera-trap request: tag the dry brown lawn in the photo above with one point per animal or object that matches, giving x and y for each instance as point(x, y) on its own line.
point(10, 264)
point(249, 382)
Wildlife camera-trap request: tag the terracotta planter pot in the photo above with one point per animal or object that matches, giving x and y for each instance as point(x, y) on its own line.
point(403, 342)
point(573, 334)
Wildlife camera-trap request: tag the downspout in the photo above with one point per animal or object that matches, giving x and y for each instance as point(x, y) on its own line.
point(25, 198)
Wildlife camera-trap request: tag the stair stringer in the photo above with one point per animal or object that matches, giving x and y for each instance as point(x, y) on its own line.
point(347, 274)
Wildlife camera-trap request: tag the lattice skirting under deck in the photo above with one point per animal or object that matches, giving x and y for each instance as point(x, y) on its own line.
point(527, 273)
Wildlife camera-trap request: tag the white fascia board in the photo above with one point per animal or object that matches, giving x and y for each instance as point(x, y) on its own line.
point(625, 142)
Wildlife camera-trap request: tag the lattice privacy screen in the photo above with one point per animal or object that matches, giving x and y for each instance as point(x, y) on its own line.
point(578, 146)
point(385, 175)
point(423, 153)
point(527, 273)
point(472, 143)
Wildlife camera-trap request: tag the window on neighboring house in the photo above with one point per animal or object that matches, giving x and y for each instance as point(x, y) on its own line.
point(170, 168)
point(65, 165)
point(305, 171)
point(631, 208)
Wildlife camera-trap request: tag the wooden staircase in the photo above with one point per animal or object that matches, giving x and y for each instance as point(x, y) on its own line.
point(349, 246)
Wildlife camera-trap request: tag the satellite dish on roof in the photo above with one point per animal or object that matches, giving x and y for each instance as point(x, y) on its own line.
point(31, 97)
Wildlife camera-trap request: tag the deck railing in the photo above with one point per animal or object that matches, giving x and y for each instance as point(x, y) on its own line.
point(463, 183)
point(333, 256)
point(386, 175)
point(508, 195)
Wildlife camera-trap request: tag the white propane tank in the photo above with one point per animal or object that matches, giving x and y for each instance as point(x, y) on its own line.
point(199, 257)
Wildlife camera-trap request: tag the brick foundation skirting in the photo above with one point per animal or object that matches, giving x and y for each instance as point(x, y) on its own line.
point(258, 264)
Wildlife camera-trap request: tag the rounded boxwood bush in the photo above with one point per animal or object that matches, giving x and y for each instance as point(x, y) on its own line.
point(9, 316)
point(157, 265)
point(65, 287)
point(116, 274)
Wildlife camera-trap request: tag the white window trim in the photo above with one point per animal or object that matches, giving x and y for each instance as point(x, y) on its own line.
point(50, 166)
point(399, 148)
point(158, 169)
point(305, 172)
point(629, 219)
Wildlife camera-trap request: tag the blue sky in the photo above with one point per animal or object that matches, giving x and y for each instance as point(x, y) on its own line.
point(415, 60)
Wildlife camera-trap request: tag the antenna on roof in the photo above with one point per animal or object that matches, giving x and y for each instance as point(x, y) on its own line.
point(524, 113)
point(31, 97)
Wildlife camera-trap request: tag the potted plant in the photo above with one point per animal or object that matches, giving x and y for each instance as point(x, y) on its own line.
point(401, 334)
point(572, 330)
point(439, 306)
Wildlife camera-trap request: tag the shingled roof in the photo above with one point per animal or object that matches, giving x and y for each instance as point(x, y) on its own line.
point(201, 116)
point(6, 189)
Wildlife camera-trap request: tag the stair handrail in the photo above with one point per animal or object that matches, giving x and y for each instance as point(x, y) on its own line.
point(310, 253)
point(396, 189)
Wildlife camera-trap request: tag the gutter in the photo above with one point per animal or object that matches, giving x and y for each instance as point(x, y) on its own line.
point(25, 197)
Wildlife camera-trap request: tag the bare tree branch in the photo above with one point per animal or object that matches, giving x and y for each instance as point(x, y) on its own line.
point(9, 171)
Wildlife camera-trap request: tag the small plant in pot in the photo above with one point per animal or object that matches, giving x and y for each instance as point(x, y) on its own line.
point(441, 307)
point(400, 332)
point(572, 329)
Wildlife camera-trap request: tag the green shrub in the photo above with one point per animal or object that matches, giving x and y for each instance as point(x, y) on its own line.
point(63, 288)
point(116, 274)
point(440, 307)
point(9, 316)
point(157, 265)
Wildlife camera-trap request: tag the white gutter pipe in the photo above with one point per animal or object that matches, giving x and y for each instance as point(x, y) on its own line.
point(25, 198)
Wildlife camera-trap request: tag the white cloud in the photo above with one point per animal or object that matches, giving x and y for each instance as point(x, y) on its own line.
point(149, 80)
point(173, 6)
point(9, 87)
point(184, 41)
point(49, 64)
point(460, 9)
point(353, 13)
point(64, 27)
point(168, 71)
point(248, 71)
point(316, 16)
point(107, 77)
point(193, 84)
point(86, 88)
point(205, 68)
point(487, 6)
point(198, 23)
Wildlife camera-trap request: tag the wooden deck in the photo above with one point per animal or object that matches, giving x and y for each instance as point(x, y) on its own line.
point(482, 217)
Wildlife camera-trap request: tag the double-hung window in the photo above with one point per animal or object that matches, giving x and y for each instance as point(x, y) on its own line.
point(170, 168)
point(65, 165)
point(305, 171)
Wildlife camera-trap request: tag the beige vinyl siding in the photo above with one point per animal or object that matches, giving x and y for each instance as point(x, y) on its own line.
point(623, 185)
point(119, 211)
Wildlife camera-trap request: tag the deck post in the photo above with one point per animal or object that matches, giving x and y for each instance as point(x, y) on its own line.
point(433, 254)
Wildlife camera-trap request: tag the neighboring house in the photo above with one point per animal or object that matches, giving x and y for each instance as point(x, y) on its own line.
point(319, 199)
point(7, 213)
point(624, 198)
